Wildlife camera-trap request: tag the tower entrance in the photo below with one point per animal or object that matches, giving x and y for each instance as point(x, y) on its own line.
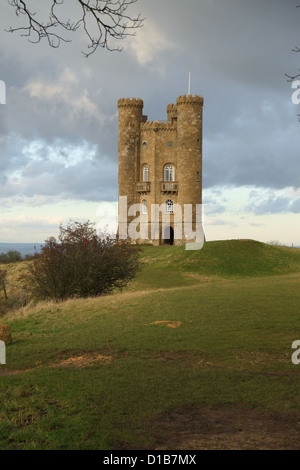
point(169, 236)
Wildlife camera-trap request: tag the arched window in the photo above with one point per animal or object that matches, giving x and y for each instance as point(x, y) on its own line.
point(169, 206)
point(169, 173)
point(146, 174)
point(144, 207)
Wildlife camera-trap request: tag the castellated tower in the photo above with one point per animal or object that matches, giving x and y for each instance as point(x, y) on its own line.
point(160, 172)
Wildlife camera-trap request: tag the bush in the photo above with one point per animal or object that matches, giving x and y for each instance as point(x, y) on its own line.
point(10, 257)
point(81, 264)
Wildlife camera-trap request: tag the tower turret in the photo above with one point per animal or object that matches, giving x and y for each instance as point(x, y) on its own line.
point(130, 118)
point(189, 141)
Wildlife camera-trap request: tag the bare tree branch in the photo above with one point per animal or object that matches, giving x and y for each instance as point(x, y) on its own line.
point(291, 78)
point(101, 20)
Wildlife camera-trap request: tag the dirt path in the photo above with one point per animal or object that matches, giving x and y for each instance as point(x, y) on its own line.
point(195, 428)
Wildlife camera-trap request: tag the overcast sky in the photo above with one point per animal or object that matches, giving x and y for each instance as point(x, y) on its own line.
point(59, 126)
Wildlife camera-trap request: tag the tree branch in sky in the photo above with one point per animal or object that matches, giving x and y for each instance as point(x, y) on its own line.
point(102, 21)
point(291, 78)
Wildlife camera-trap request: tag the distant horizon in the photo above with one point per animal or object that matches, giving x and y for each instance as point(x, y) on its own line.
point(29, 248)
point(271, 242)
point(25, 248)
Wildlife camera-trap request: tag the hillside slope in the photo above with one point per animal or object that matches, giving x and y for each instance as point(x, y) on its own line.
point(188, 344)
point(169, 266)
point(226, 258)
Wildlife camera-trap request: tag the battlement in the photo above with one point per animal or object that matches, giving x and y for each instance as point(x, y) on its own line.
point(171, 109)
point(130, 103)
point(157, 126)
point(189, 100)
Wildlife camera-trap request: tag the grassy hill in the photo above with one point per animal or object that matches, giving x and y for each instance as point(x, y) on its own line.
point(171, 266)
point(195, 353)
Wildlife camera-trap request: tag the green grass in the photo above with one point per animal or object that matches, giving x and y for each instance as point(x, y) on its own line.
point(238, 307)
point(229, 258)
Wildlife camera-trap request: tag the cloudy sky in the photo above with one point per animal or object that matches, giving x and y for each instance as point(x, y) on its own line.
point(59, 126)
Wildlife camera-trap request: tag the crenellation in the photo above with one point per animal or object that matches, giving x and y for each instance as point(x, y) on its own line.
point(189, 100)
point(158, 126)
point(171, 108)
point(127, 102)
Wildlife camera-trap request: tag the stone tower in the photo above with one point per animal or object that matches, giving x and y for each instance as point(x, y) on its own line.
point(160, 171)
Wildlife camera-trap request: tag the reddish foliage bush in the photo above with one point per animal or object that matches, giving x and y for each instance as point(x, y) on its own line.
point(81, 264)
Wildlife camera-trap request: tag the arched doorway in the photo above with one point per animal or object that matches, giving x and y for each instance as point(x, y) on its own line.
point(169, 236)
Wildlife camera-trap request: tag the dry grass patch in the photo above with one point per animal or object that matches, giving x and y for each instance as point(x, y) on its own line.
point(168, 323)
point(84, 359)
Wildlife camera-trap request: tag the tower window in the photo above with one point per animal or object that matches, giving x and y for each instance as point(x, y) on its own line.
point(170, 144)
point(169, 206)
point(169, 173)
point(144, 207)
point(198, 143)
point(146, 174)
point(144, 145)
point(197, 175)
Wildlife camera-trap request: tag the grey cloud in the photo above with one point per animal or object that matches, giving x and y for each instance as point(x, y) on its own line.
point(213, 221)
point(54, 173)
point(295, 206)
point(238, 53)
point(270, 204)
